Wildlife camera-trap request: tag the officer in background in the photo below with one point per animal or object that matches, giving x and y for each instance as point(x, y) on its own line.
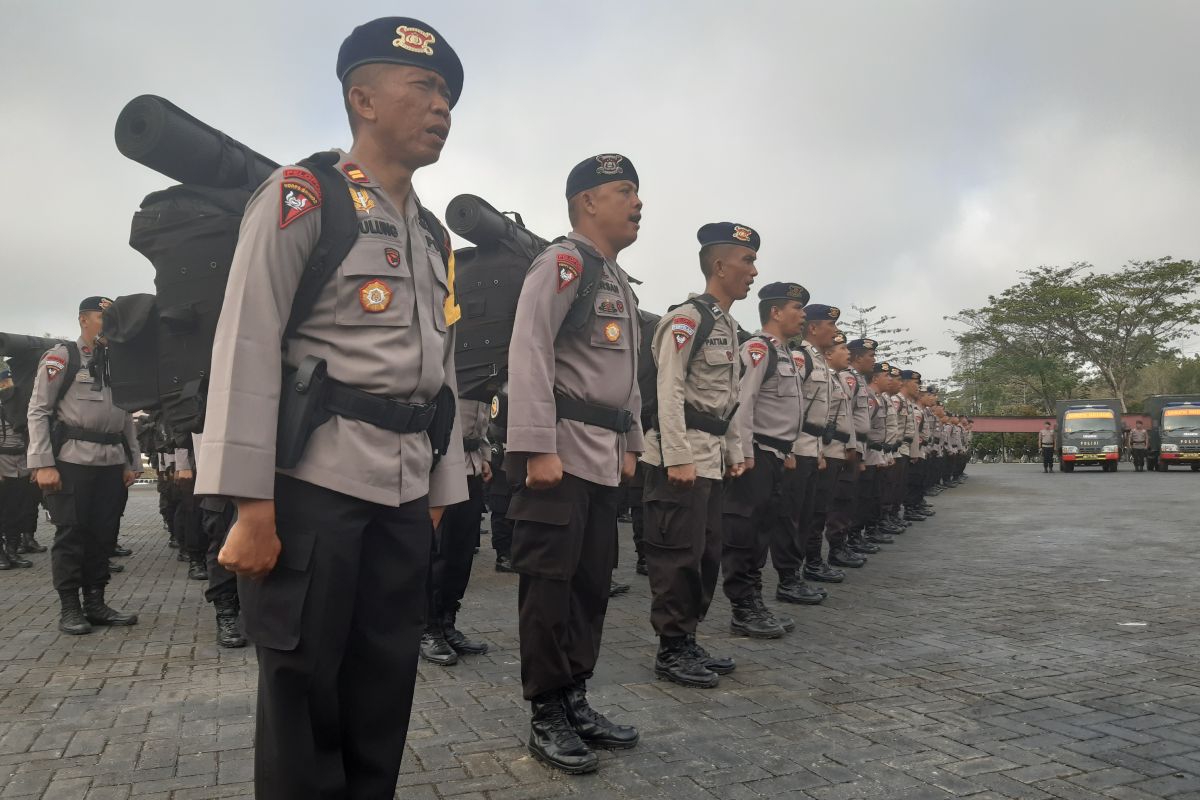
point(1046, 442)
point(1139, 443)
point(498, 489)
point(16, 491)
point(450, 570)
point(877, 459)
point(850, 500)
point(832, 506)
point(574, 432)
point(756, 511)
point(332, 554)
point(691, 448)
point(84, 453)
point(913, 449)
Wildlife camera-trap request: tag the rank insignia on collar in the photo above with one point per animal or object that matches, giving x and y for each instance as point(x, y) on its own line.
point(757, 350)
point(612, 331)
point(375, 296)
point(569, 269)
point(682, 329)
point(363, 203)
point(354, 173)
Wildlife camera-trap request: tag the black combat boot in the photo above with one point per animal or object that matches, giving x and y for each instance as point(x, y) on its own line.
point(782, 620)
point(722, 665)
point(594, 728)
point(640, 568)
point(615, 588)
point(173, 543)
point(876, 535)
point(822, 572)
point(228, 634)
point(198, 571)
point(794, 590)
point(121, 551)
point(552, 739)
point(5, 564)
point(677, 663)
point(71, 619)
point(457, 640)
point(857, 543)
point(504, 563)
point(13, 555)
point(434, 647)
point(99, 613)
point(841, 557)
point(749, 620)
point(30, 544)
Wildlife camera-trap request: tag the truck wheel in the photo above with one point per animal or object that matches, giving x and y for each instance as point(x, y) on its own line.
point(1115, 466)
point(1066, 467)
point(1195, 467)
point(1163, 466)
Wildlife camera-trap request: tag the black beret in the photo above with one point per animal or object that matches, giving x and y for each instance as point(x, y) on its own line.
point(818, 312)
point(784, 291)
point(896, 372)
point(882, 366)
point(94, 303)
point(604, 168)
point(838, 338)
point(401, 40)
point(931, 389)
point(910, 375)
point(862, 345)
point(729, 233)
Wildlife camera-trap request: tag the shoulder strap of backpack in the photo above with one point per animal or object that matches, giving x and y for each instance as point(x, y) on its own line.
point(708, 308)
point(582, 308)
point(441, 240)
point(74, 364)
point(339, 231)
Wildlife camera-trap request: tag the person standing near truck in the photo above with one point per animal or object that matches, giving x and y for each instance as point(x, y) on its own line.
point(1046, 441)
point(1139, 443)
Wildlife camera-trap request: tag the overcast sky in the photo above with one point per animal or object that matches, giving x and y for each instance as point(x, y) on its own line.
point(909, 155)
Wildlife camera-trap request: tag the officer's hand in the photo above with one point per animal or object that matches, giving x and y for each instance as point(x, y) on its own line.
point(789, 462)
point(48, 479)
point(629, 466)
point(736, 470)
point(130, 477)
point(681, 475)
point(543, 471)
point(487, 472)
point(435, 515)
point(749, 462)
point(252, 546)
point(185, 476)
point(862, 466)
point(820, 462)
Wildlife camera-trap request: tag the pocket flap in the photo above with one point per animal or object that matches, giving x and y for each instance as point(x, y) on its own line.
point(530, 508)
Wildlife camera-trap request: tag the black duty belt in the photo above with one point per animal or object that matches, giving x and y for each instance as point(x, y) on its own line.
point(782, 445)
point(378, 410)
point(908, 439)
point(709, 423)
point(472, 444)
point(12, 450)
point(813, 430)
point(97, 437)
point(613, 419)
point(844, 438)
point(875, 446)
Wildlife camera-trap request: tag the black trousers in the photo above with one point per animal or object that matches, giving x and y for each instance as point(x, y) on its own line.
point(168, 499)
point(801, 492)
point(754, 508)
point(913, 490)
point(869, 508)
point(564, 547)
point(189, 527)
point(216, 517)
point(19, 498)
point(1047, 459)
point(827, 482)
point(87, 515)
point(1139, 458)
point(498, 496)
point(843, 508)
point(454, 552)
point(682, 545)
point(637, 487)
point(337, 625)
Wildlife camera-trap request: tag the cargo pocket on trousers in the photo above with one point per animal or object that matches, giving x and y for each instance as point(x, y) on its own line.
point(544, 543)
point(667, 512)
point(61, 506)
point(273, 608)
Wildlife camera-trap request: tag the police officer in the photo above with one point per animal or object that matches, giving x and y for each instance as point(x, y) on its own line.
point(877, 458)
point(912, 450)
point(84, 453)
point(498, 489)
point(574, 431)
point(1046, 442)
point(16, 491)
point(690, 448)
point(332, 554)
point(855, 381)
point(450, 571)
point(832, 509)
point(1139, 443)
point(756, 512)
point(819, 405)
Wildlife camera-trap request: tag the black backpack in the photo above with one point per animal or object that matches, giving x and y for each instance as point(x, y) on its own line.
point(160, 345)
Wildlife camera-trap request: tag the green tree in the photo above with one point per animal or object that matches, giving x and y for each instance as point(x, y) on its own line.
point(894, 342)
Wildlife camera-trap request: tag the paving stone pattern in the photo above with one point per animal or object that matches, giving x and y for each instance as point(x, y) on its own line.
point(1037, 638)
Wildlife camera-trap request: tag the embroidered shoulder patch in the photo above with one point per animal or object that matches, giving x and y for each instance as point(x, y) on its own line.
point(682, 329)
point(299, 193)
point(757, 350)
point(569, 270)
point(54, 365)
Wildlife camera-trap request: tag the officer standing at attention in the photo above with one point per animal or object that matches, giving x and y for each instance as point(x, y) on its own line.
point(332, 554)
point(17, 494)
point(574, 431)
point(1139, 443)
point(840, 476)
point(1046, 442)
point(84, 453)
point(498, 490)
point(450, 572)
point(690, 448)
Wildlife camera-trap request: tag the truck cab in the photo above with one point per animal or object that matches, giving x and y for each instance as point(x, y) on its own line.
point(1089, 434)
point(1174, 431)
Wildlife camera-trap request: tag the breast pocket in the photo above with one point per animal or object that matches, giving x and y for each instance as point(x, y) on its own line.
point(81, 389)
point(375, 286)
point(785, 382)
point(611, 329)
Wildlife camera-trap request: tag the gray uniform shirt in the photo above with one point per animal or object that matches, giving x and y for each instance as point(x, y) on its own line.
point(817, 403)
point(79, 407)
point(12, 465)
point(843, 415)
point(856, 386)
point(892, 422)
point(379, 323)
point(597, 364)
point(770, 406)
point(1139, 440)
point(877, 418)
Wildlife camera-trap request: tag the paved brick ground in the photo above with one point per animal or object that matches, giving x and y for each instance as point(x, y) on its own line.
point(1032, 640)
